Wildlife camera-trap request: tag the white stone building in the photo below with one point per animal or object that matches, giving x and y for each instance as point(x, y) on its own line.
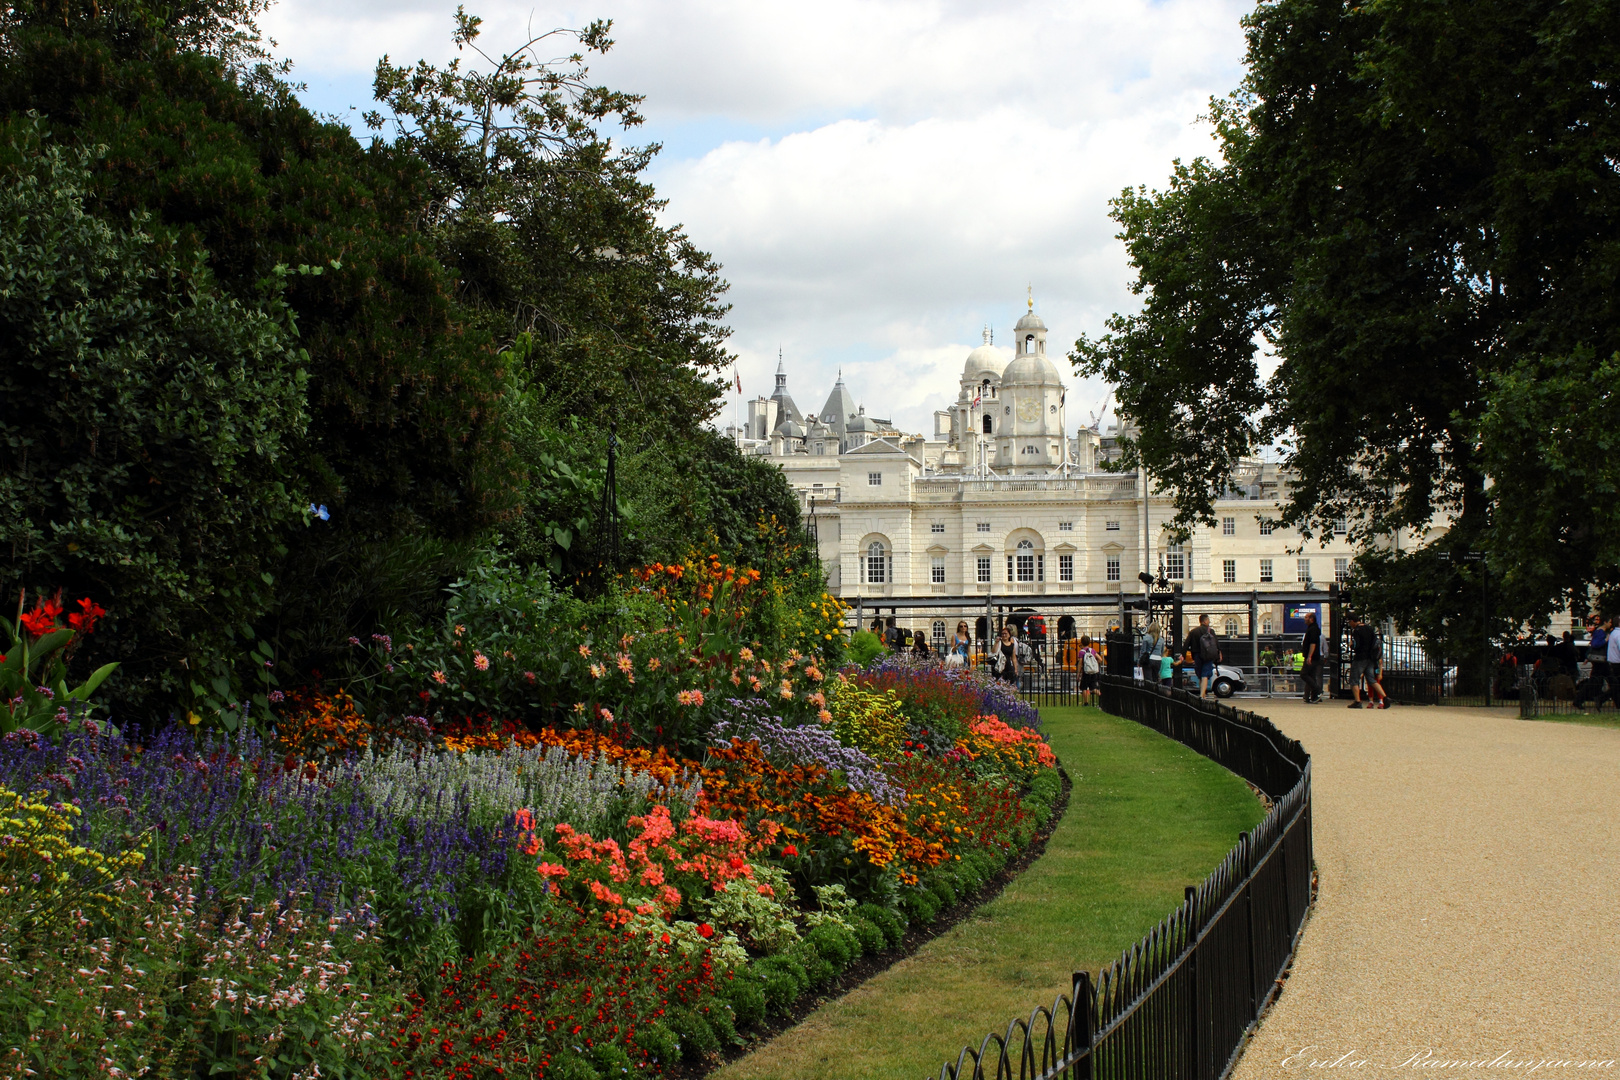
point(1003, 500)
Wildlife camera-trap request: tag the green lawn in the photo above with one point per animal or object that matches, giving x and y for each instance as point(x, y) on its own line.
point(1147, 818)
point(1595, 719)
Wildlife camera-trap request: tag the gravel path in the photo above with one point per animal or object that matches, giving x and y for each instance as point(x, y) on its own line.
point(1469, 897)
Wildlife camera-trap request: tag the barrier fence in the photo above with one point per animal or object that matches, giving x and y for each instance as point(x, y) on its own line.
point(1180, 1003)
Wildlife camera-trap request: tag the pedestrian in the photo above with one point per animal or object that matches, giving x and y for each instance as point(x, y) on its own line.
point(1597, 653)
point(892, 637)
point(1205, 652)
point(1311, 671)
point(1004, 661)
point(1153, 647)
point(1090, 672)
point(1167, 670)
point(1363, 662)
point(919, 648)
point(961, 647)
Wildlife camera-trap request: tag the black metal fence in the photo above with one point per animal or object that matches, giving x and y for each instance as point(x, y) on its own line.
point(1179, 1003)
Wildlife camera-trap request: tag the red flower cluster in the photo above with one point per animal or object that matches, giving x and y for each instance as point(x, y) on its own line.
point(572, 985)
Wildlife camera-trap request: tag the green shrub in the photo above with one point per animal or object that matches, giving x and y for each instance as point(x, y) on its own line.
point(722, 1021)
point(889, 922)
point(746, 993)
point(834, 944)
point(920, 904)
point(783, 979)
point(611, 1061)
point(570, 1066)
point(698, 1039)
point(817, 968)
point(660, 1043)
point(869, 934)
point(864, 647)
point(943, 888)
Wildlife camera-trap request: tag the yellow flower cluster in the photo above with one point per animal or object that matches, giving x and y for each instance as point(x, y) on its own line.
point(869, 720)
point(39, 862)
point(814, 625)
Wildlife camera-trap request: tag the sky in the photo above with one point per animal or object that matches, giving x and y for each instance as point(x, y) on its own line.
point(880, 180)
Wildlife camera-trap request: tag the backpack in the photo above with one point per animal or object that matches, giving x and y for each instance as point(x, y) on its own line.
point(1209, 650)
point(1089, 664)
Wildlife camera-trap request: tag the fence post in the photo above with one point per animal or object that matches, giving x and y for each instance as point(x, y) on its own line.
point(1335, 603)
point(1245, 840)
point(1193, 1026)
point(1080, 1024)
point(1254, 638)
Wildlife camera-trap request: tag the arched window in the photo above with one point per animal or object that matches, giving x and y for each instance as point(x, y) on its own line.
point(1231, 626)
point(987, 425)
point(1029, 343)
point(876, 564)
point(939, 633)
point(981, 628)
point(1026, 560)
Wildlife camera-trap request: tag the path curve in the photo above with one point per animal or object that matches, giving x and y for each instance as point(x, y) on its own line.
point(1469, 896)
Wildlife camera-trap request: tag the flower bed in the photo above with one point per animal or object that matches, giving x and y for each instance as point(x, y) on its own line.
point(373, 893)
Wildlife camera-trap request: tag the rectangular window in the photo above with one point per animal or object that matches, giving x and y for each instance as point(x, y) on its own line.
point(1304, 569)
point(937, 527)
point(1010, 575)
point(1113, 568)
point(1266, 527)
point(1229, 571)
point(984, 569)
point(876, 566)
point(936, 570)
point(1065, 567)
point(1228, 526)
point(875, 479)
point(1040, 568)
point(1065, 526)
point(1111, 526)
point(1265, 569)
point(1341, 526)
point(1175, 562)
point(1341, 570)
point(983, 526)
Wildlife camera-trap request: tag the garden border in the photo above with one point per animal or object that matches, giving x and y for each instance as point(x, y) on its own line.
point(874, 964)
point(1183, 1001)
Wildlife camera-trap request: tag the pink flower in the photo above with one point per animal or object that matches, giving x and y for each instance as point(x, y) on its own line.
point(824, 716)
point(689, 697)
point(438, 677)
point(766, 890)
point(624, 663)
point(584, 650)
point(480, 661)
point(597, 671)
point(745, 653)
point(606, 715)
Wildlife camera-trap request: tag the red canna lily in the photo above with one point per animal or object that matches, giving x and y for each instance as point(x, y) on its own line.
point(42, 620)
point(84, 620)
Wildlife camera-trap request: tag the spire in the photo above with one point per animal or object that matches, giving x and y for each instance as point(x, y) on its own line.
point(1032, 296)
point(987, 333)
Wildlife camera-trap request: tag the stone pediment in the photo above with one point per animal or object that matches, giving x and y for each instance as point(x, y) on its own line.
point(1113, 547)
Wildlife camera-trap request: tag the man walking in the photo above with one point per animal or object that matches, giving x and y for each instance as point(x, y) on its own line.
point(1205, 651)
point(1363, 663)
point(1597, 653)
point(1311, 670)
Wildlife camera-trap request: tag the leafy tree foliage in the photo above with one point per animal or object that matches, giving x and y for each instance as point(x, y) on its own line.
point(146, 419)
point(1419, 212)
point(554, 234)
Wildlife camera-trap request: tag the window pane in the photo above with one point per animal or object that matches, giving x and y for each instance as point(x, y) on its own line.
point(1229, 571)
point(875, 479)
point(1113, 568)
point(984, 568)
point(936, 571)
point(1304, 569)
point(1265, 571)
point(1228, 526)
point(1065, 567)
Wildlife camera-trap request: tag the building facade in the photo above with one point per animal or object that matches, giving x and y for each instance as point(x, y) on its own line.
point(1004, 500)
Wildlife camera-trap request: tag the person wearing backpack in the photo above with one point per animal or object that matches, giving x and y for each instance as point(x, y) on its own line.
point(1090, 672)
point(1206, 653)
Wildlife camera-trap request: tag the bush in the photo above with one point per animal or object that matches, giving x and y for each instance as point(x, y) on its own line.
point(888, 922)
point(869, 934)
point(817, 968)
point(783, 979)
point(864, 647)
point(691, 1026)
point(659, 1043)
point(836, 945)
point(746, 993)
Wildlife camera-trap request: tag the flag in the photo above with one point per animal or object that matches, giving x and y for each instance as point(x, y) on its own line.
point(975, 401)
point(738, 377)
point(1063, 397)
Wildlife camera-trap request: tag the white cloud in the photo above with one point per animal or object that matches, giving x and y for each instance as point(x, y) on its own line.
point(925, 159)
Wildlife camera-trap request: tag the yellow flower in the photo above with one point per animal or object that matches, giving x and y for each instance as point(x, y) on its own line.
point(193, 719)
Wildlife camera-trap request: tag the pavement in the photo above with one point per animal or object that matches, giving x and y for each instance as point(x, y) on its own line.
point(1468, 908)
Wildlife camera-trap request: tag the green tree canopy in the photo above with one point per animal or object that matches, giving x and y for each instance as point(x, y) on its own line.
point(145, 422)
point(1418, 212)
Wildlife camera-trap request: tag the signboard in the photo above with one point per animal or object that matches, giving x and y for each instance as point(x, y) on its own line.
point(1294, 617)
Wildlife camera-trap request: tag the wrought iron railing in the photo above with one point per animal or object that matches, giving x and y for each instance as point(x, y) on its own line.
point(1179, 1003)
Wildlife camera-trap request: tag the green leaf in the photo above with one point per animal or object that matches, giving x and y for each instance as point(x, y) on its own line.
point(97, 677)
point(221, 685)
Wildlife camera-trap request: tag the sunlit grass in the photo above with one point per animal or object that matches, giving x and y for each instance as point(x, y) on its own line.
point(1147, 818)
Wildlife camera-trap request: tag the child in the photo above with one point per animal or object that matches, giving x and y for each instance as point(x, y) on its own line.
point(1167, 669)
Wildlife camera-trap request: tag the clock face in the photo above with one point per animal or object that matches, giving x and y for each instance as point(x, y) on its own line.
point(1028, 410)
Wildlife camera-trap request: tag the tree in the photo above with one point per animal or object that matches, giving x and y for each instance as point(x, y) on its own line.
point(1418, 211)
point(405, 441)
point(145, 423)
point(554, 234)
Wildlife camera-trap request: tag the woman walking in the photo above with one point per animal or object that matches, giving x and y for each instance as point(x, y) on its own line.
point(1004, 661)
point(961, 647)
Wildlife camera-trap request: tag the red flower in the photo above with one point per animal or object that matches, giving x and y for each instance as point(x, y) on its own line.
point(42, 620)
point(84, 620)
point(789, 851)
point(705, 930)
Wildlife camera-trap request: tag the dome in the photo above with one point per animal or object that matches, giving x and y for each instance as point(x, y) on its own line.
point(1031, 369)
point(790, 430)
point(984, 360)
point(1030, 321)
point(861, 422)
